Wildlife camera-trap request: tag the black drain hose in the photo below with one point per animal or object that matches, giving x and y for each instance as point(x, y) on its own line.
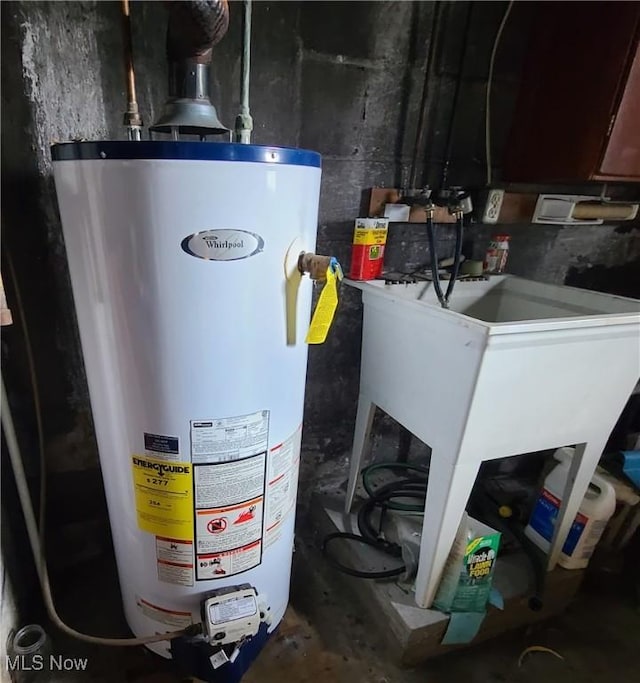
point(435, 274)
point(387, 497)
point(383, 498)
point(456, 259)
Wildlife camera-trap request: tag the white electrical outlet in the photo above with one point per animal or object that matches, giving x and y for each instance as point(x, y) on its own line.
point(493, 206)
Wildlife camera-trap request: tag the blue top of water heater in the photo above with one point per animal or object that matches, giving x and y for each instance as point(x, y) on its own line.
point(191, 151)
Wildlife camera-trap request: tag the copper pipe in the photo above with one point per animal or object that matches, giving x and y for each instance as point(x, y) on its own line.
point(132, 118)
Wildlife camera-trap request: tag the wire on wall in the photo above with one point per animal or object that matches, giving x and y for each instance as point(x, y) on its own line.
point(35, 395)
point(424, 102)
point(487, 110)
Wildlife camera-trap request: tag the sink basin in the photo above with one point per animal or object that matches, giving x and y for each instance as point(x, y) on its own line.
point(508, 299)
point(514, 366)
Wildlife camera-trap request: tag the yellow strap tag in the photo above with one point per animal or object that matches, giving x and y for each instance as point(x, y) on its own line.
point(325, 308)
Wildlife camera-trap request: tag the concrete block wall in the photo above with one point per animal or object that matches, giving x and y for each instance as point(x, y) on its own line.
point(343, 78)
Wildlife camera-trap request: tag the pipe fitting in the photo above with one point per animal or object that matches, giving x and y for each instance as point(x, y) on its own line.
point(314, 264)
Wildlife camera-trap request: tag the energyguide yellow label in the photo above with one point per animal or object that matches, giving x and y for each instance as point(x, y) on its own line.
point(164, 497)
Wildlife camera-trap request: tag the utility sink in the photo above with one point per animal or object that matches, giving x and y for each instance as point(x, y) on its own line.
point(507, 299)
point(513, 366)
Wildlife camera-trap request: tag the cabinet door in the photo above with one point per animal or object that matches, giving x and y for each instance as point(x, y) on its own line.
point(578, 60)
point(621, 160)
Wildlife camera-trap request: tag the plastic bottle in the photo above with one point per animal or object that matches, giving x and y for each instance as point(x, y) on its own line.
point(495, 260)
point(595, 511)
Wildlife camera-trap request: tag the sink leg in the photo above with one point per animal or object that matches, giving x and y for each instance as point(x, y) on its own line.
point(448, 491)
point(361, 445)
point(583, 465)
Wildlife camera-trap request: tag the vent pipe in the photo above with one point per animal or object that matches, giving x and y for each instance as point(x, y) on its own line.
point(195, 26)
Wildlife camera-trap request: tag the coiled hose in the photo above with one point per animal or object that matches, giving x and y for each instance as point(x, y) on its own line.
point(386, 497)
point(394, 496)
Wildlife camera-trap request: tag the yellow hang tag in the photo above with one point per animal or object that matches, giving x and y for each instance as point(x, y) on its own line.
point(325, 309)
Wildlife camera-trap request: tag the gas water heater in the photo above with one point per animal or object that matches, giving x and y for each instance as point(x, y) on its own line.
point(178, 254)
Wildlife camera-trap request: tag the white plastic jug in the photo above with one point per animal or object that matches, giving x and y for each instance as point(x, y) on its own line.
point(595, 511)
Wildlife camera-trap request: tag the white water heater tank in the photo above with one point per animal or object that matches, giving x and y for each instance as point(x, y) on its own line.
point(177, 258)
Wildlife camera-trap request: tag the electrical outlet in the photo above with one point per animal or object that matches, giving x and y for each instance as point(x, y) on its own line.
point(493, 206)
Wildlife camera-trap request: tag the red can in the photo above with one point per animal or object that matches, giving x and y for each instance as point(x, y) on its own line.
point(367, 254)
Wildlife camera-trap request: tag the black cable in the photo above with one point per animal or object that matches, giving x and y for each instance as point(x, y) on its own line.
point(434, 261)
point(386, 497)
point(434, 36)
point(382, 498)
point(384, 574)
point(456, 261)
point(444, 176)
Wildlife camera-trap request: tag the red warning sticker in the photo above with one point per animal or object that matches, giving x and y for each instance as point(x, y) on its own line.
point(282, 484)
point(219, 565)
point(175, 561)
point(229, 513)
point(217, 525)
point(227, 528)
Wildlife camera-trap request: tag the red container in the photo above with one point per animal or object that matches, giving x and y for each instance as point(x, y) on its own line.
point(367, 254)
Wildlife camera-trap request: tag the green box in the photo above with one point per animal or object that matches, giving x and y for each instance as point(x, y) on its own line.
point(466, 579)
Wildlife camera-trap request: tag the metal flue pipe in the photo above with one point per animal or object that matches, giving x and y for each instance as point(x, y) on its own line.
point(195, 26)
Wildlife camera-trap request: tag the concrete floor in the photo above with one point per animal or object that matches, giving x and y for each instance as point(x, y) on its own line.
point(325, 638)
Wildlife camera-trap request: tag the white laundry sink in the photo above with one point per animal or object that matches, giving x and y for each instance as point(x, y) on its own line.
point(505, 299)
point(514, 366)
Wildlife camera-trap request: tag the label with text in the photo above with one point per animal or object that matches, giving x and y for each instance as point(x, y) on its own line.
point(218, 565)
point(229, 483)
point(282, 484)
point(228, 528)
point(169, 617)
point(229, 438)
point(175, 561)
point(162, 446)
point(164, 497)
point(229, 515)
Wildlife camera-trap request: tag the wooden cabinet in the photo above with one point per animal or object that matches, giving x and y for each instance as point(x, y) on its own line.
point(578, 112)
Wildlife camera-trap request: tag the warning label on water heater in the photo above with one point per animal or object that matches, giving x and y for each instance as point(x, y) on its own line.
point(229, 502)
point(282, 484)
point(229, 438)
point(164, 615)
point(175, 561)
point(164, 497)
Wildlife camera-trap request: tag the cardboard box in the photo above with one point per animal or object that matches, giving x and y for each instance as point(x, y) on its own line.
point(468, 573)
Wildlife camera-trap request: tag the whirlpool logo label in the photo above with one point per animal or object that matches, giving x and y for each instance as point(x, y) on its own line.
point(223, 244)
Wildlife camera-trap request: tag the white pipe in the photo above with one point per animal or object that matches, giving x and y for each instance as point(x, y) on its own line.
point(487, 108)
point(244, 122)
point(32, 532)
point(246, 59)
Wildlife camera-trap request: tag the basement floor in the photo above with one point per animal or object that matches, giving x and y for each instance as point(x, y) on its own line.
point(324, 638)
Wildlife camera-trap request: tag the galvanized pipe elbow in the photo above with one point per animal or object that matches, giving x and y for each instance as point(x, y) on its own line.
point(195, 26)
